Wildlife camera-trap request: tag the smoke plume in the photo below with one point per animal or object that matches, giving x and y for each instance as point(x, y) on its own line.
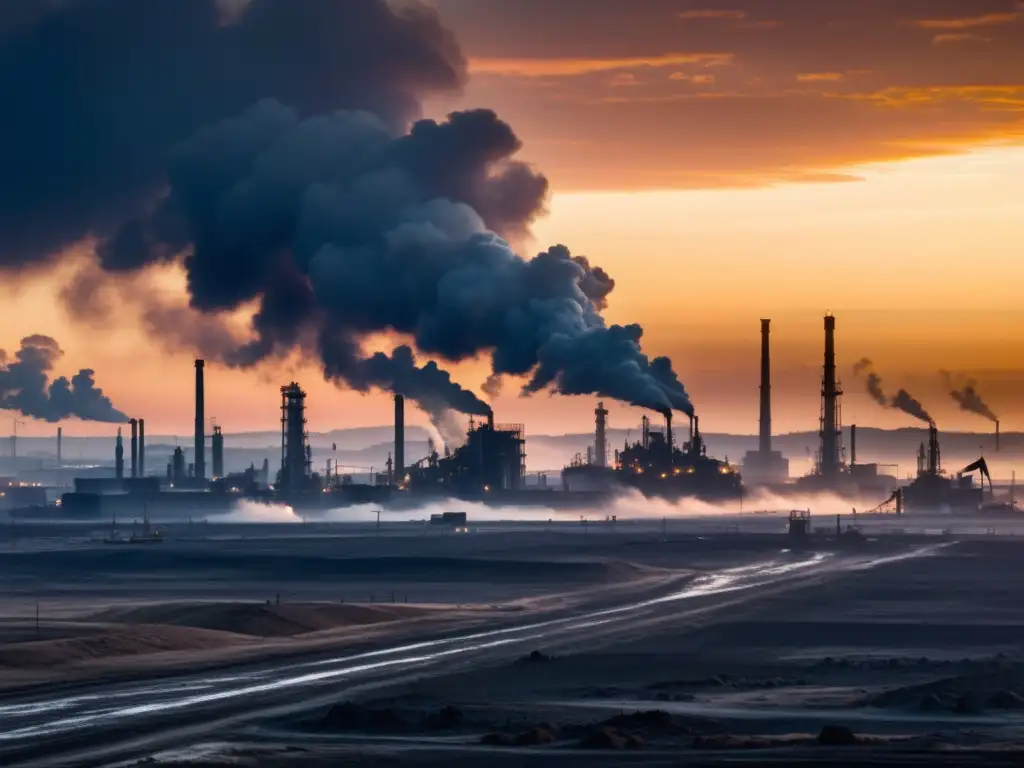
point(901, 401)
point(905, 402)
point(966, 395)
point(25, 386)
point(302, 182)
point(135, 78)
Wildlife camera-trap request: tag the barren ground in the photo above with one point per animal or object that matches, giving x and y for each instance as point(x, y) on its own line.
point(909, 651)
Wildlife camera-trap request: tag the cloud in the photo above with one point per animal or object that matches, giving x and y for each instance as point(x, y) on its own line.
point(623, 79)
point(701, 79)
point(820, 77)
point(735, 15)
point(960, 37)
point(967, 22)
point(569, 67)
point(758, 121)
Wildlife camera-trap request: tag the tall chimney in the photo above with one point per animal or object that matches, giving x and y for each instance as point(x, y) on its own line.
point(934, 460)
point(997, 436)
point(830, 393)
point(135, 447)
point(765, 443)
point(200, 447)
point(119, 456)
point(668, 435)
point(399, 439)
point(142, 447)
point(60, 447)
point(853, 444)
point(600, 441)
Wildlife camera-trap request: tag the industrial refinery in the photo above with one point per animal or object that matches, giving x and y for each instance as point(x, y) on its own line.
point(489, 466)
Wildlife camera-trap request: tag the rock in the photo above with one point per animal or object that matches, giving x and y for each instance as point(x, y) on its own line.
point(1007, 700)
point(448, 718)
point(535, 737)
point(536, 657)
point(611, 738)
point(837, 736)
point(349, 716)
point(659, 721)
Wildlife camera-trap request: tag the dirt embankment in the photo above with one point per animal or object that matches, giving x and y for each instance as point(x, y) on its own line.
point(165, 635)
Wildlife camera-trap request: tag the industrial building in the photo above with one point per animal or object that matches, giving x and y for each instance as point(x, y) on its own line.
point(181, 493)
point(492, 460)
point(934, 491)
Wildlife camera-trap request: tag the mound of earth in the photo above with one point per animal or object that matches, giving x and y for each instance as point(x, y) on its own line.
point(133, 641)
point(262, 619)
point(659, 721)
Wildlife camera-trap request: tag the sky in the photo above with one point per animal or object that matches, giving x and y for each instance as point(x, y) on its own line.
point(723, 162)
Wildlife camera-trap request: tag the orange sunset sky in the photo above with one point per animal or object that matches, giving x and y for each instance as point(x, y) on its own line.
point(723, 161)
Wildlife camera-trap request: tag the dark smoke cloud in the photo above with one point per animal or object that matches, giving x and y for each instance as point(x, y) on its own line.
point(492, 386)
point(902, 400)
point(342, 229)
point(905, 402)
point(99, 91)
point(966, 395)
point(427, 385)
point(282, 133)
point(25, 386)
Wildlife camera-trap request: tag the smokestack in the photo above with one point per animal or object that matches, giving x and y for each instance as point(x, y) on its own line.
point(135, 447)
point(119, 456)
point(853, 445)
point(490, 420)
point(668, 434)
point(142, 447)
point(934, 461)
point(830, 393)
point(60, 441)
point(399, 439)
point(997, 437)
point(200, 447)
point(600, 444)
point(765, 443)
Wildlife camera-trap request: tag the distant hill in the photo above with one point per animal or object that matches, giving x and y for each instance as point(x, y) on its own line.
point(362, 448)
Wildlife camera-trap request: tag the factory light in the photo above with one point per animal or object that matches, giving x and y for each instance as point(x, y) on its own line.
point(664, 475)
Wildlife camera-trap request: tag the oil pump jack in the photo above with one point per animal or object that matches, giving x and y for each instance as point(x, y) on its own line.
point(979, 466)
point(992, 506)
